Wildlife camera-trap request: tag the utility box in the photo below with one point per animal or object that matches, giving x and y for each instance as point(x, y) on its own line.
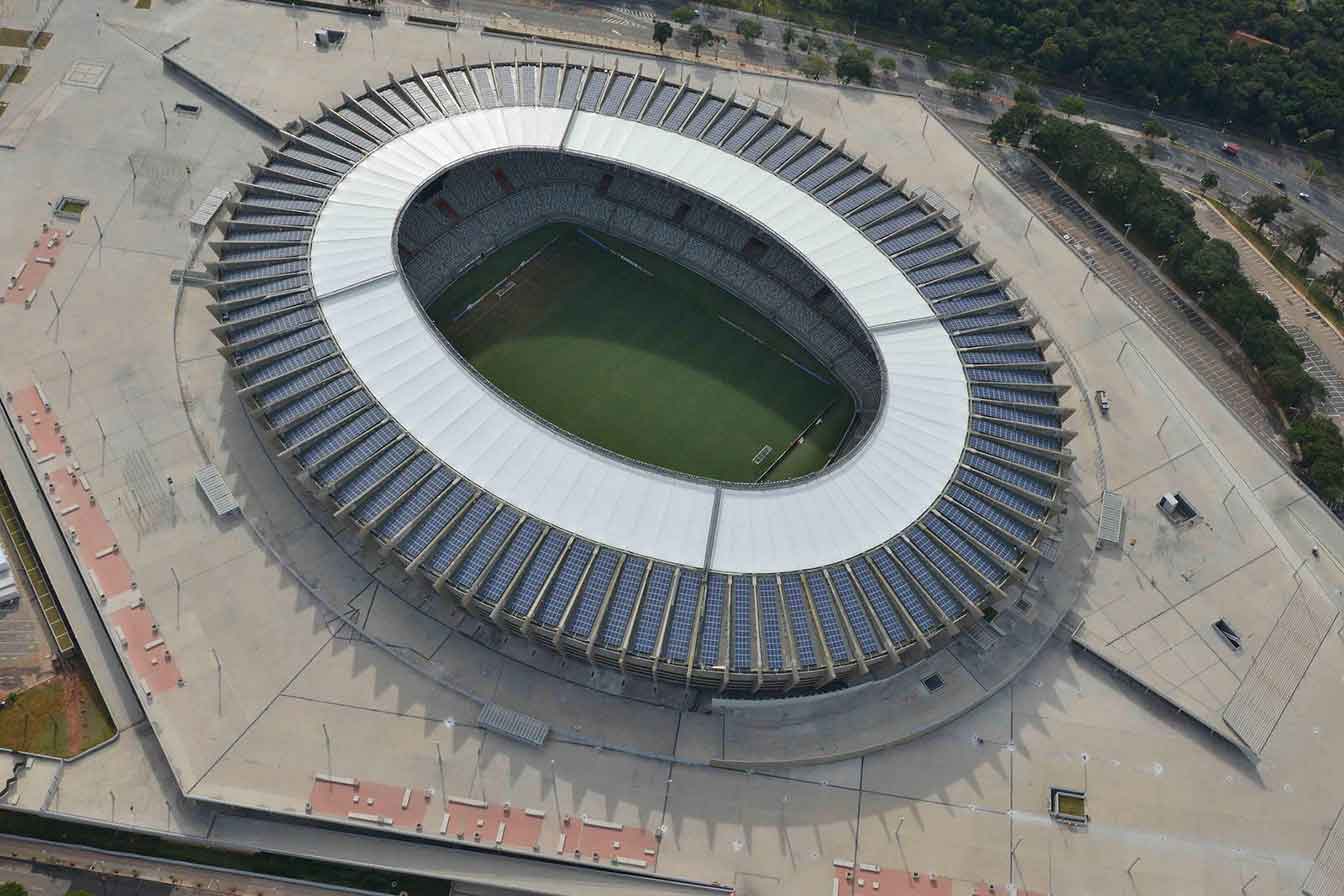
point(1177, 509)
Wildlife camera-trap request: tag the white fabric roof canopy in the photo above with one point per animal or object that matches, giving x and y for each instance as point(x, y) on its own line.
point(886, 483)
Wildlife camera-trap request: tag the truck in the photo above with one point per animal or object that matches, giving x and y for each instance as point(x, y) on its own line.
point(1232, 149)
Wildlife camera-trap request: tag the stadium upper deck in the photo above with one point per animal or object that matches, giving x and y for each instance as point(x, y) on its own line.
point(944, 502)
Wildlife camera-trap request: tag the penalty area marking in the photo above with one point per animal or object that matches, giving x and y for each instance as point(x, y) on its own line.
point(500, 289)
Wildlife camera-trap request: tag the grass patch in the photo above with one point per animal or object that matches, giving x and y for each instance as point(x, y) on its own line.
point(20, 74)
point(61, 717)
point(3, 106)
point(26, 824)
point(18, 37)
point(1283, 263)
point(142, 4)
point(642, 356)
point(70, 207)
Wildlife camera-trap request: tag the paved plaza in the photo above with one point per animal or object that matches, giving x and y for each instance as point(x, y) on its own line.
point(307, 663)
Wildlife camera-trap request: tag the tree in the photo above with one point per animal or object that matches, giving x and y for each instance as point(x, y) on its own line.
point(1306, 235)
point(1292, 386)
point(749, 30)
point(1071, 105)
point(700, 37)
point(1314, 168)
point(1322, 448)
point(1208, 181)
point(1153, 129)
point(972, 83)
point(887, 64)
point(1025, 93)
point(12, 888)
point(684, 15)
point(854, 67)
point(1333, 282)
point(1013, 125)
point(1265, 207)
point(815, 67)
point(788, 37)
point(662, 33)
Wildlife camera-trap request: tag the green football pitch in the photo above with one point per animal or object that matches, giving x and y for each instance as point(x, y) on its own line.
point(631, 351)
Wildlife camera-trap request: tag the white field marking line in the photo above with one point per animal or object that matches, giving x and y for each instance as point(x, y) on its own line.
point(647, 272)
point(630, 261)
point(804, 368)
point(495, 289)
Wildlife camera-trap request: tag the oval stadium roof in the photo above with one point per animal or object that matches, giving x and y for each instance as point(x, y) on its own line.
point(778, 586)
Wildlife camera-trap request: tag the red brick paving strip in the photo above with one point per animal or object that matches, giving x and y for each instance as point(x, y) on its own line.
point(34, 272)
point(73, 502)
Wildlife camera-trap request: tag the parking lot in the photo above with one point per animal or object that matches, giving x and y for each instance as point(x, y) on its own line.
point(1319, 366)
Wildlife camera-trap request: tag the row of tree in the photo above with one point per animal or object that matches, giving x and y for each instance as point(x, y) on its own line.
point(1131, 195)
point(1184, 57)
point(851, 64)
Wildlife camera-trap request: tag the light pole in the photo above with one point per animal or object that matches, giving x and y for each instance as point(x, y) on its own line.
point(555, 791)
point(326, 735)
point(219, 678)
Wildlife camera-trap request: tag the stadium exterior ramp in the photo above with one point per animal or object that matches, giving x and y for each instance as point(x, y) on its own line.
point(843, 574)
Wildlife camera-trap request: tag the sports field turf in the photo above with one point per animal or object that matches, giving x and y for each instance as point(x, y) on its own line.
point(642, 356)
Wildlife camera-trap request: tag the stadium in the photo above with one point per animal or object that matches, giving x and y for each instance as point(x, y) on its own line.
point(644, 373)
point(630, 473)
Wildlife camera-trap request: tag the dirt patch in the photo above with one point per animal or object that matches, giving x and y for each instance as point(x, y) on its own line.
point(60, 717)
point(20, 74)
point(142, 4)
point(18, 37)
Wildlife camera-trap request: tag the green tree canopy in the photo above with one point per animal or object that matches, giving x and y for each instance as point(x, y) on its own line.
point(1177, 55)
point(1016, 123)
point(749, 30)
point(1306, 235)
point(684, 15)
point(970, 82)
point(1208, 181)
point(854, 67)
point(1072, 105)
point(700, 37)
point(1265, 207)
point(1333, 282)
point(662, 33)
point(815, 67)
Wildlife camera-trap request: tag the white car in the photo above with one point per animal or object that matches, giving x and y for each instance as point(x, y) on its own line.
point(1305, 197)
